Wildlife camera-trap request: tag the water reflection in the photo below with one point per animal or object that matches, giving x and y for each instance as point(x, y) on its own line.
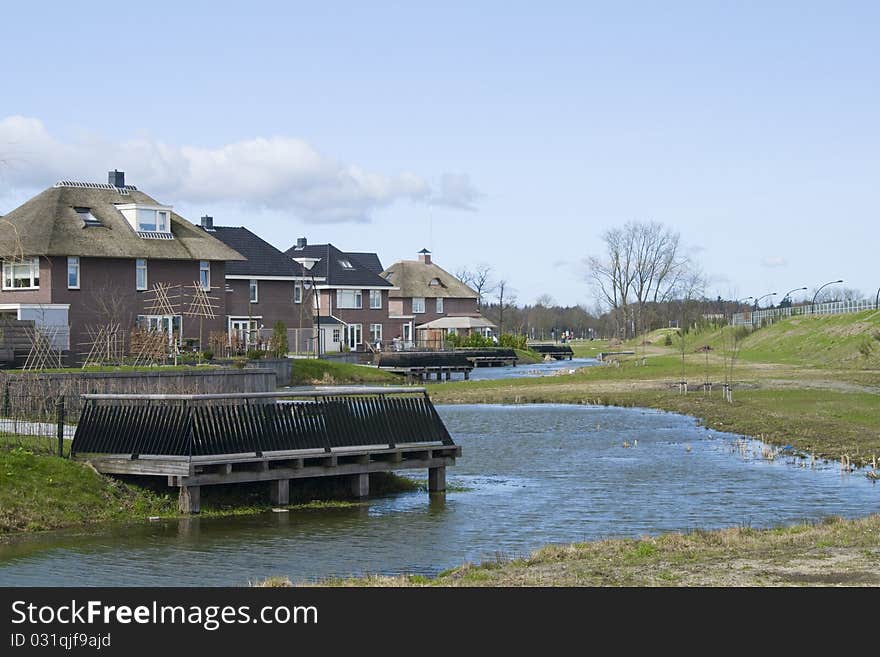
point(531, 475)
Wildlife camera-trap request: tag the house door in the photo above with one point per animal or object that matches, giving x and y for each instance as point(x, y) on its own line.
point(354, 334)
point(407, 334)
point(242, 331)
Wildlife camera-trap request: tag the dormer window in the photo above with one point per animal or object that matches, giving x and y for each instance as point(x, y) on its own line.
point(435, 282)
point(150, 221)
point(86, 216)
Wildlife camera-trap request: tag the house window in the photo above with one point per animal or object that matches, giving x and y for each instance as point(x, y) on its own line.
point(22, 275)
point(346, 264)
point(349, 299)
point(88, 219)
point(435, 282)
point(418, 305)
point(440, 305)
point(141, 274)
point(205, 274)
point(73, 273)
point(336, 335)
point(254, 291)
point(297, 292)
point(375, 333)
point(153, 221)
point(170, 325)
point(375, 299)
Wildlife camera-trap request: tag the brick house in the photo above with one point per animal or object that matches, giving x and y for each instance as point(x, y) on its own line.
point(264, 289)
point(427, 303)
point(81, 255)
point(352, 308)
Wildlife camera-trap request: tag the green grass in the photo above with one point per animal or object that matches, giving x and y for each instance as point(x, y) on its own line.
point(318, 371)
point(527, 357)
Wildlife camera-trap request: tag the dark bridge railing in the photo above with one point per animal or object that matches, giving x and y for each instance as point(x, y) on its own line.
point(204, 425)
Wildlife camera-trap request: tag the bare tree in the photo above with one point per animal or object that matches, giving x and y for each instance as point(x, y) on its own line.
point(506, 300)
point(643, 263)
point(479, 278)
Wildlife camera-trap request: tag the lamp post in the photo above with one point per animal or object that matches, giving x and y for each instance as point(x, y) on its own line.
point(308, 264)
point(797, 289)
point(813, 302)
point(758, 300)
point(877, 300)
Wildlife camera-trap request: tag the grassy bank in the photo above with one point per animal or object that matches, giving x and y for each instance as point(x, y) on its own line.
point(834, 552)
point(45, 492)
point(314, 371)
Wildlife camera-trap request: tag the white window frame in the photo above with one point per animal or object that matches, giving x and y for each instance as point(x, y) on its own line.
point(140, 265)
point(205, 268)
point(418, 305)
point(248, 326)
point(375, 335)
point(358, 299)
point(375, 299)
point(354, 335)
point(254, 291)
point(297, 292)
point(34, 274)
point(161, 217)
point(163, 323)
point(337, 335)
point(439, 305)
point(73, 267)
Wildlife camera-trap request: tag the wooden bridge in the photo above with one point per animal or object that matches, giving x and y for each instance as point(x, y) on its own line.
point(204, 440)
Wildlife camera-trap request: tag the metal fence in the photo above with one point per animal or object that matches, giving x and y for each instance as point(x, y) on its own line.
point(36, 423)
point(210, 425)
point(758, 317)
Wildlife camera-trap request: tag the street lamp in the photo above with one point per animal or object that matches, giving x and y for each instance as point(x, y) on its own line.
point(813, 302)
point(797, 289)
point(758, 300)
point(308, 264)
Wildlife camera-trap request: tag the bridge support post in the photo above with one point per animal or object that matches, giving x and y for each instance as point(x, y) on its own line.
point(189, 500)
point(437, 479)
point(467, 375)
point(279, 492)
point(360, 485)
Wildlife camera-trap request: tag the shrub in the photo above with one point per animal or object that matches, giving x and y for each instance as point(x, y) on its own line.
point(668, 340)
point(278, 341)
point(512, 341)
point(865, 348)
point(255, 354)
point(207, 355)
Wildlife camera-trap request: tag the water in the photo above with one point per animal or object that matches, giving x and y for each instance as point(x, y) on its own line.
point(545, 368)
point(536, 474)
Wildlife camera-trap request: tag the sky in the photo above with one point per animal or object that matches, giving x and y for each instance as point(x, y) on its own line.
point(510, 133)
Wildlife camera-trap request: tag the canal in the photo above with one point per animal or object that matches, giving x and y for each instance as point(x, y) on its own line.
point(529, 475)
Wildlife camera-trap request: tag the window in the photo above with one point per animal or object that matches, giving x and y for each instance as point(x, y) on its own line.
point(440, 305)
point(375, 299)
point(348, 299)
point(87, 217)
point(435, 282)
point(23, 275)
point(418, 305)
point(336, 335)
point(375, 333)
point(152, 221)
point(205, 274)
point(297, 292)
point(254, 291)
point(346, 264)
point(171, 325)
point(73, 273)
point(141, 274)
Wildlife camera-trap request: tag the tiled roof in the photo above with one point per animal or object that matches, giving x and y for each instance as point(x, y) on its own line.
point(340, 268)
point(263, 259)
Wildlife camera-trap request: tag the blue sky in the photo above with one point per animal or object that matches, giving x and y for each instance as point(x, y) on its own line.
point(505, 133)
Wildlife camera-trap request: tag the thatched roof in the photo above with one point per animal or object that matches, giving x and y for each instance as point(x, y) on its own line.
point(48, 225)
point(414, 278)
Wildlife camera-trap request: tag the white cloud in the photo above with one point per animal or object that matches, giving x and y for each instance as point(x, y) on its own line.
point(774, 261)
point(457, 191)
point(277, 173)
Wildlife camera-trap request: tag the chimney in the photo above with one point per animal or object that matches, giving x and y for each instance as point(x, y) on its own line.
point(301, 242)
point(116, 178)
point(425, 256)
point(208, 222)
